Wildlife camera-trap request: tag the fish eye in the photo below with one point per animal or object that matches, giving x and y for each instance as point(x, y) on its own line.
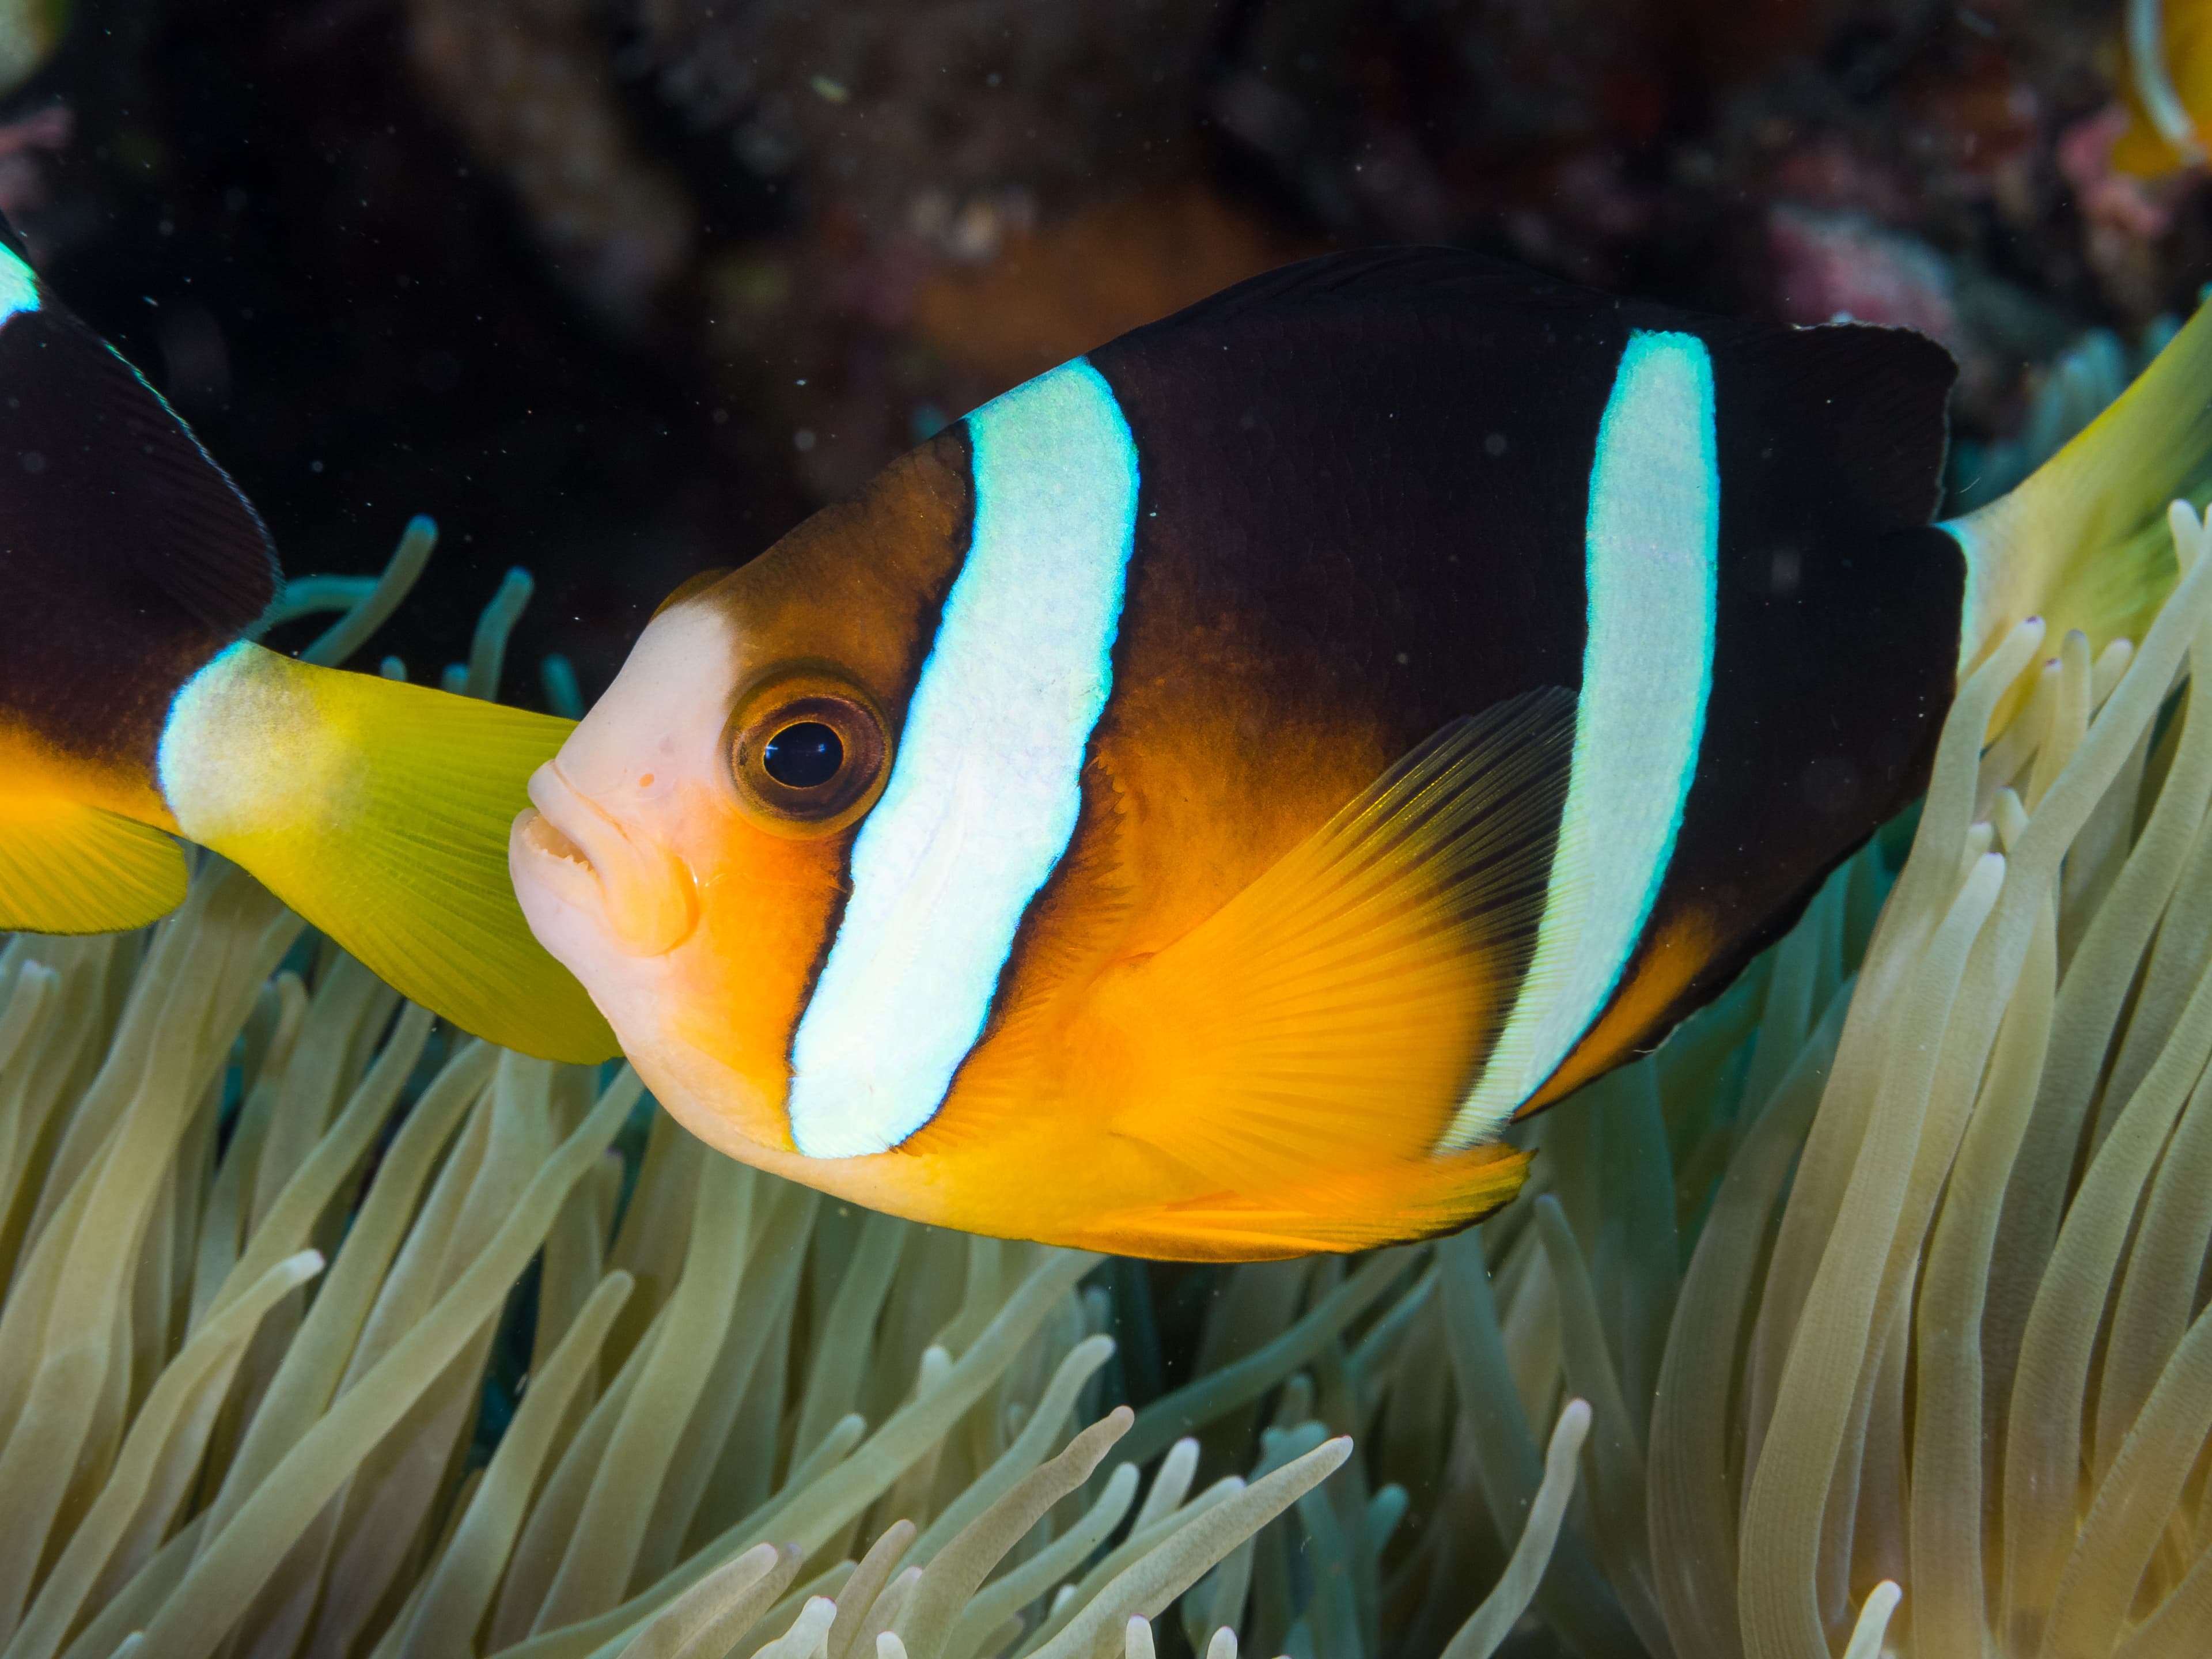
point(808, 751)
point(804, 755)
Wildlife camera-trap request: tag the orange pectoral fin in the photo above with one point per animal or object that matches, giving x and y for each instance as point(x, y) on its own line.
point(1330, 1015)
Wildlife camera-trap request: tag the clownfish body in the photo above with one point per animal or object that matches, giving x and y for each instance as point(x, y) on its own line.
point(135, 710)
point(1189, 806)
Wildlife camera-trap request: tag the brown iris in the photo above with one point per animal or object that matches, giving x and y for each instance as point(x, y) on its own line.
point(808, 751)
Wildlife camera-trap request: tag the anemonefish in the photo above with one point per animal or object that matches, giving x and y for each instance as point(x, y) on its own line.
point(135, 708)
point(2168, 91)
point(1192, 804)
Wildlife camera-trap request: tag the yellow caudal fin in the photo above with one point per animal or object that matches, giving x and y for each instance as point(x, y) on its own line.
point(2083, 543)
point(379, 810)
point(66, 867)
point(1320, 1030)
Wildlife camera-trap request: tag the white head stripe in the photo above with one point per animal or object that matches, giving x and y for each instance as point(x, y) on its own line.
point(1652, 546)
point(984, 793)
point(19, 288)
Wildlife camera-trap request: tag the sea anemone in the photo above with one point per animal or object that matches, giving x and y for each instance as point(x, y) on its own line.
point(1869, 1311)
point(201, 1127)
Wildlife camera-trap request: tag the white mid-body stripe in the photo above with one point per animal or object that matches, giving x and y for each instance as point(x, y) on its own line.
point(984, 793)
point(1652, 545)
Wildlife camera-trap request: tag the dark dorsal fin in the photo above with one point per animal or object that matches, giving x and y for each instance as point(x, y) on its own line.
point(1851, 418)
point(1405, 275)
point(1853, 413)
point(96, 470)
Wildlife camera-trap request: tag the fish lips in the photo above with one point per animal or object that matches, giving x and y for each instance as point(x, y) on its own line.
point(583, 876)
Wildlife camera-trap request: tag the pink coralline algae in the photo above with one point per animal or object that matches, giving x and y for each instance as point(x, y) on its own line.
point(1828, 265)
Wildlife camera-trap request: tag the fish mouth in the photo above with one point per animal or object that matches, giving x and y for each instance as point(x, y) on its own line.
point(578, 854)
point(541, 827)
point(545, 835)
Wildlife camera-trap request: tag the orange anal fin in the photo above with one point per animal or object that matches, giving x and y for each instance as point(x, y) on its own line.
point(1353, 1210)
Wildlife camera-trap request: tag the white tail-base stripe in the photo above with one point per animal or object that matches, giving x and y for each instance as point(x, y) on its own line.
point(1652, 545)
point(984, 793)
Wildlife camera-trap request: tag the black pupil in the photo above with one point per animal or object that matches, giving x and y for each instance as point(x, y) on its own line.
point(803, 756)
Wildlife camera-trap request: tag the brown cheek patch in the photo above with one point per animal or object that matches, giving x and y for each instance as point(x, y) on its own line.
point(860, 585)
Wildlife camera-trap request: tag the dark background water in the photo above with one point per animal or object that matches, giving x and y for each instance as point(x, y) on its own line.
point(619, 288)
